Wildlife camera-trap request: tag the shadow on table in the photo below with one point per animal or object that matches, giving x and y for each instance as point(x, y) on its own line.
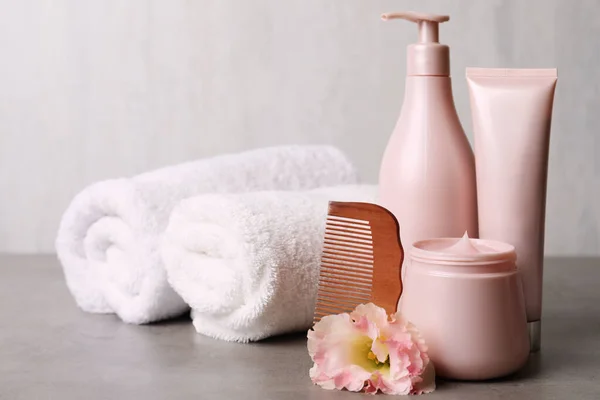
point(282, 340)
point(183, 319)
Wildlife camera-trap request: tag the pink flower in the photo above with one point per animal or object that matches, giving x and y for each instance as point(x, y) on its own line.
point(366, 350)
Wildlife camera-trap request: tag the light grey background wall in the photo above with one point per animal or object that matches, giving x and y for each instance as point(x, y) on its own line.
point(97, 89)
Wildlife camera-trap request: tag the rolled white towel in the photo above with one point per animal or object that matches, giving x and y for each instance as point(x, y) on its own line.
point(108, 237)
point(248, 264)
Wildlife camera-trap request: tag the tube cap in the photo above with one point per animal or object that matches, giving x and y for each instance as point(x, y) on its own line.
point(426, 57)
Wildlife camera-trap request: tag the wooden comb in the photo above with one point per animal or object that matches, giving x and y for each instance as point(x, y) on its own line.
point(361, 260)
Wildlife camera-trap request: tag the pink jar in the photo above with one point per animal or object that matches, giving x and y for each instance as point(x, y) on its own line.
point(466, 298)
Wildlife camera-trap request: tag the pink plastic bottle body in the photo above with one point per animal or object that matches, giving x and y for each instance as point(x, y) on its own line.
point(427, 176)
point(469, 309)
point(512, 111)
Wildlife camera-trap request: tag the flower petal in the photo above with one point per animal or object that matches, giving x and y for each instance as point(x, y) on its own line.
point(356, 377)
point(380, 350)
point(366, 328)
point(327, 341)
point(426, 383)
point(373, 313)
point(401, 386)
point(379, 381)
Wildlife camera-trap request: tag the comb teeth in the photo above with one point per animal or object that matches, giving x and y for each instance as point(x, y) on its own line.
point(346, 276)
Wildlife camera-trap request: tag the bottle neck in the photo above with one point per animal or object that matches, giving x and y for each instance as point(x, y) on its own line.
point(428, 90)
point(428, 59)
point(429, 98)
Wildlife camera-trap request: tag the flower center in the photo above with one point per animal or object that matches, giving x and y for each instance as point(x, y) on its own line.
point(364, 356)
point(373, 357)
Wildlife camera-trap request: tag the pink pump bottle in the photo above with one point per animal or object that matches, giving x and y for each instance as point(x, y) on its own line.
point(427, 176)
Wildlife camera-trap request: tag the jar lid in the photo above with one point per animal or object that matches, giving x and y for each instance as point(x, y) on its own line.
point(463, 249)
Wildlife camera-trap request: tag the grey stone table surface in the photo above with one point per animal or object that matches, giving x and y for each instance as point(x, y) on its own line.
point(49, 349)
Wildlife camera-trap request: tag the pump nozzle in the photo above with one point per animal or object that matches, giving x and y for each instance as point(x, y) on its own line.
point(427, 57)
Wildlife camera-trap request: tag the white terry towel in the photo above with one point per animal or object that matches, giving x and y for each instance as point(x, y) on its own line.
point(248, 264)
point(109, 236)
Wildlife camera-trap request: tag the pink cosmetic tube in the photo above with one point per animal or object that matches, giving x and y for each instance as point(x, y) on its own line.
point(512, 113)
